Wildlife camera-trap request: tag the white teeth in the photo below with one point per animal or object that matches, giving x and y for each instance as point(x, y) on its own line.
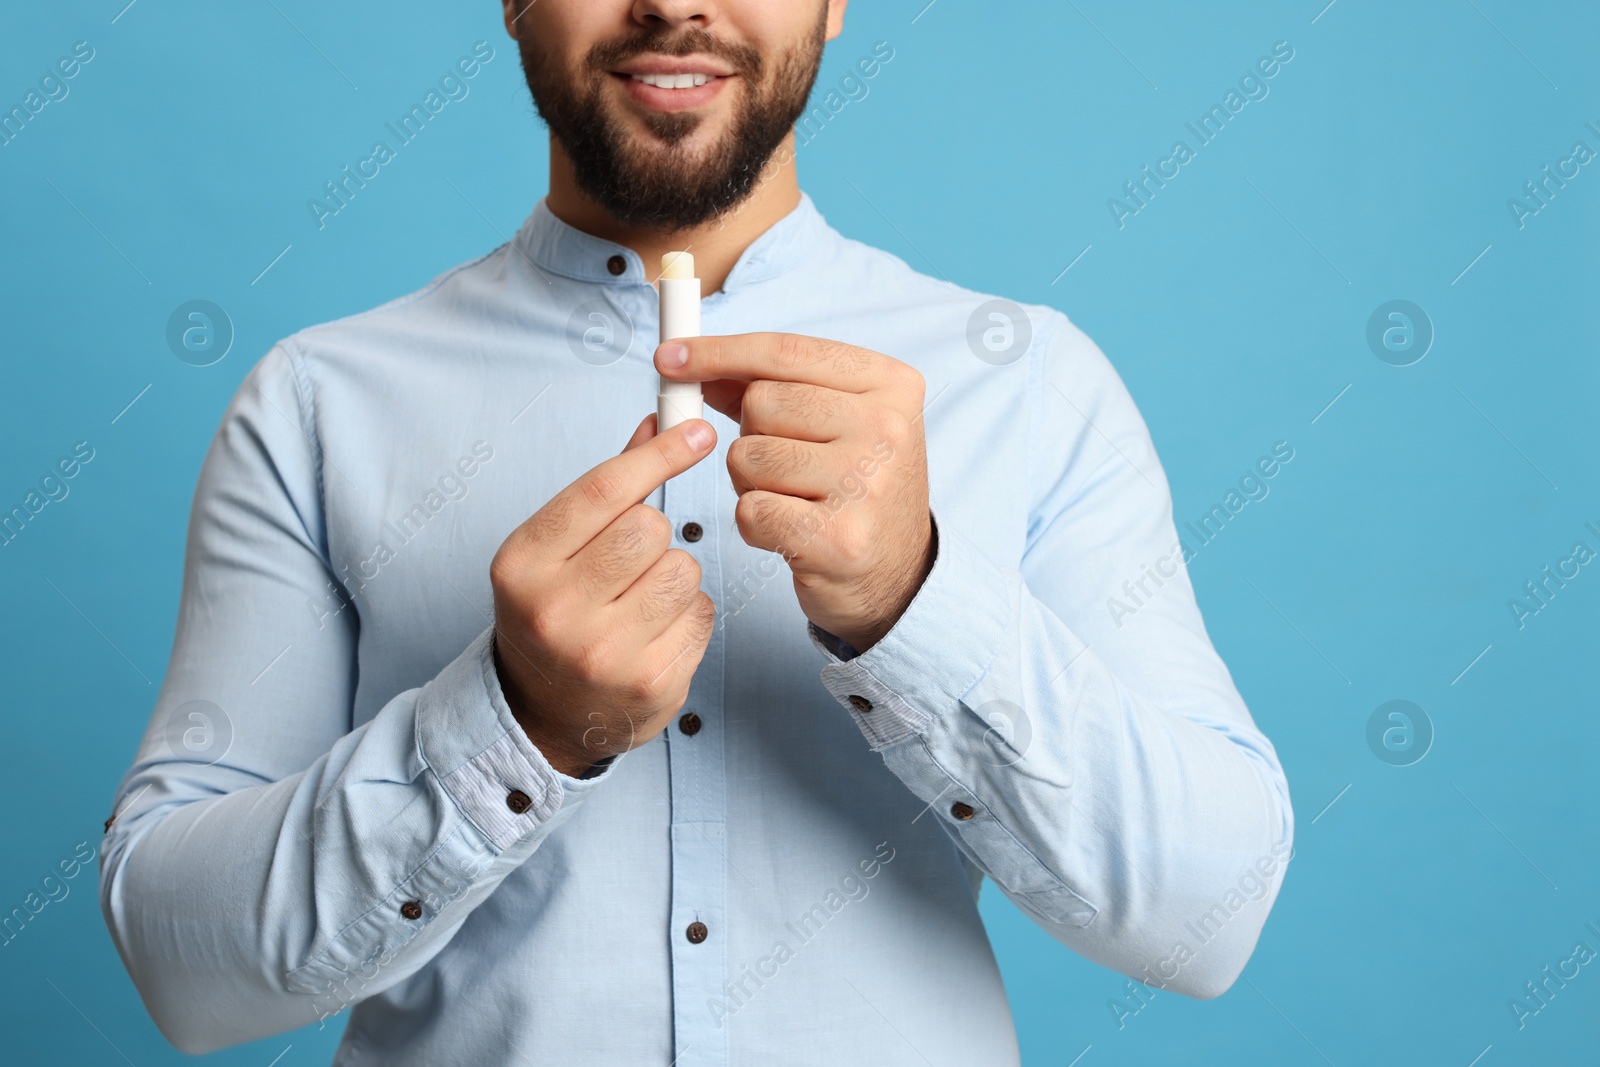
point(673, 81)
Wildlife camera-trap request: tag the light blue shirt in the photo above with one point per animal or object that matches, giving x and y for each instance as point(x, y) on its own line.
point(334, 808)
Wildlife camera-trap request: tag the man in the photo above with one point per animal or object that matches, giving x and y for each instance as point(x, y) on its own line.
point(461, 733)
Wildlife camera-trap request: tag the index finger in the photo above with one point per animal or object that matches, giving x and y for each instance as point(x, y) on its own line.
point(788, 357)
point(572, 518)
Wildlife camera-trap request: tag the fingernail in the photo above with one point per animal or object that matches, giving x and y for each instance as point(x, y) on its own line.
point(673, 356)
point(698, 434)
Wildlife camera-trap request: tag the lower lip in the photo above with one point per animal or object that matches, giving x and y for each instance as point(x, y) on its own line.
point(658, 99)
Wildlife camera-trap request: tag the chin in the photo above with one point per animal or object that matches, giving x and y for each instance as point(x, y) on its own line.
point(675, 142)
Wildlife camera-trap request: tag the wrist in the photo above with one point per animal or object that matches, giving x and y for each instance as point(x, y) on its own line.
point(879, 626)
point(568, 758)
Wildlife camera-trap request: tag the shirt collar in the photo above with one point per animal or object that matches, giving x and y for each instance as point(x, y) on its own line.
point(570, 252)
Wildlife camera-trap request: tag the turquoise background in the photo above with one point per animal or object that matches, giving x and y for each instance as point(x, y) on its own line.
point(1235, 304)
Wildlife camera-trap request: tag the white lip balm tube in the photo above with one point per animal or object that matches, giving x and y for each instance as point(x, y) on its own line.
point(680, 317)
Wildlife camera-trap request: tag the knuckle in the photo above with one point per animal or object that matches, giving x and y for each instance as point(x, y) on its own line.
point(682, 569)
point(739, 454)
point(851, 544)
point(760, 397)
point(744, 518)
point(889, 424)
point(909, 377)
point(545, 625)
point(750, 512)
point(642, 689)
point(601, 488)
point(645, 527)
point(705, 616)
point(791, 351)
point(657, 527)
point(504, 570)
point(592, 663)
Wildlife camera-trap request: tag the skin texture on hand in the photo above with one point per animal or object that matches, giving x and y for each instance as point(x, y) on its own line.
point(599, 624)
point(830, 467)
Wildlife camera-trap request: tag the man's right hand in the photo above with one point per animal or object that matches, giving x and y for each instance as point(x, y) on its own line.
point(599, 625)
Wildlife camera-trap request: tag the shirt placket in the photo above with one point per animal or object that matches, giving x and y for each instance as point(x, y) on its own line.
point(698, 783)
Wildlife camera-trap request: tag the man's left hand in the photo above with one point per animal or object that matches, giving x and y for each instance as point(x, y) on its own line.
point(830, 466)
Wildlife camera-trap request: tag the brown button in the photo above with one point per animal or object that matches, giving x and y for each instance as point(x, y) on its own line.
point(696, 933)
point(861, 704)
point(518, 801)
point(692, 532)
point(961, 811)
point(690, 724)
point(108, 824)
point(411, 910)
point(616, 264)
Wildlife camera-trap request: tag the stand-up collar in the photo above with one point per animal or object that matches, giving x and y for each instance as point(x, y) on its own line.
point(566, 250)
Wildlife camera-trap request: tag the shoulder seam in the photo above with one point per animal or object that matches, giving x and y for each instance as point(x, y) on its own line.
point(1039, 361)
point(295, 355)
point(402, 301)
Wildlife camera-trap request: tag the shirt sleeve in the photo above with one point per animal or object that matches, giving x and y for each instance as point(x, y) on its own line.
point(1080, 740)
point(268, 866)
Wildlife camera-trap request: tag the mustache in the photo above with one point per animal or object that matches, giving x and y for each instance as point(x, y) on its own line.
point(745, 59)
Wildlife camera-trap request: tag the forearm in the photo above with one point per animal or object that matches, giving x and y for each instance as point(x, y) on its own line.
point(1114, 820)
point(243, 908)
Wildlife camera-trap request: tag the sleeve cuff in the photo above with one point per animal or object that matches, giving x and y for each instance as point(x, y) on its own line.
point(498, 778)
point(934, 654)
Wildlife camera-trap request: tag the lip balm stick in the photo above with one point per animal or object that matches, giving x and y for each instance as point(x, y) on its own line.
point(680, 317)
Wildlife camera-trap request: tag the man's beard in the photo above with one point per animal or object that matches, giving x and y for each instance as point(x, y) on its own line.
point(665, 187)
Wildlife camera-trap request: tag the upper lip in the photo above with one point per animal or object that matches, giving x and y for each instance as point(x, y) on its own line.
point(674, 65)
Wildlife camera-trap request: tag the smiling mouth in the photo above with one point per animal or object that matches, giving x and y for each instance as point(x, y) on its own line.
point(672, 85)
point(673, 81)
